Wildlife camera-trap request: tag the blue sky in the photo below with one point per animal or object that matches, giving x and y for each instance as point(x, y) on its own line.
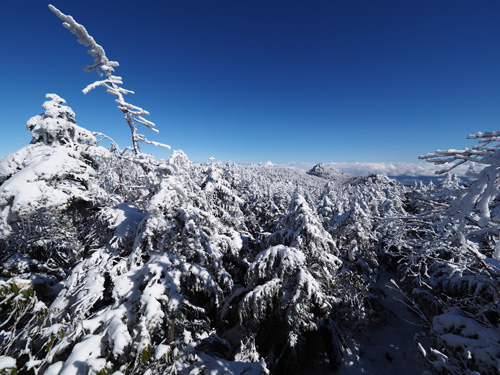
point(257, 80)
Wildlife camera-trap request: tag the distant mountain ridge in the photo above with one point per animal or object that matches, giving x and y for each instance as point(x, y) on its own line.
point(326, 171)
point(404, 173)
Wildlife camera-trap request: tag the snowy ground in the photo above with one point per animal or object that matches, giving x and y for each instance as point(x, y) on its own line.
point(384, 350)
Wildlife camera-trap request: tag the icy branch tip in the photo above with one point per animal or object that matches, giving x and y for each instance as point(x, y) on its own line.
point(56, 11)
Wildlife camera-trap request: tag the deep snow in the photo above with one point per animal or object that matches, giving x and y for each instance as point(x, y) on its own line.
point(386, 349)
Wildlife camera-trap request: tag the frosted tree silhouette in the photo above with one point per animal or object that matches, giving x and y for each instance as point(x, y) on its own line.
point(104, 67)
point(478, 204)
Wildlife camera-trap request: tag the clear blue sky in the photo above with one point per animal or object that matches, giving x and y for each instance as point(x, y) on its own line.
point(258, 80)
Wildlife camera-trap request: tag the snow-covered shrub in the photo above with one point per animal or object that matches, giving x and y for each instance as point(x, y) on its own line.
point(47, 188)
point(7, 365)
point(57, 126)
point(56, 170)
point(22, 316)
point(465, 344)
point(445, 246)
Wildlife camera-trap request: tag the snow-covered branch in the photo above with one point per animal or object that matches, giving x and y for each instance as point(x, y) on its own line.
point(479, 154)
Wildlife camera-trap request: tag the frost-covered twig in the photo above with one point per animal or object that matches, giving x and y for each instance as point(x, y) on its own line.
point(479, 153)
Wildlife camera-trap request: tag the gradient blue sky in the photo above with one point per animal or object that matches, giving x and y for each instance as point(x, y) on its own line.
point(257, 80)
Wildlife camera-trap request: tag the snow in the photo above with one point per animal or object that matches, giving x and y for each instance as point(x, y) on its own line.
point(256, 303)
point(39, 306)
point(96, 365)
point(55, 368)
point(115, 329)
point(124, 219)
point(389, 347)
point(326, 171)
point(88, 348)
point(34, 184)
point(162, 350)
point(278, 260)
point(213, 366)
point(171, 249)
point(118, 335)
point(479, 342)
point(7, 362)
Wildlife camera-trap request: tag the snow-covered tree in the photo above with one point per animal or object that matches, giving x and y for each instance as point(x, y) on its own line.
point(46, 189)
point(103, 66)
point(285, 307)
point(221, 199)
point(478, 203)
point(302, 229)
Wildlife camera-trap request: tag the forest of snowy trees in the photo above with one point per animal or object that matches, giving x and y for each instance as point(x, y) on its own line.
point(114, 262)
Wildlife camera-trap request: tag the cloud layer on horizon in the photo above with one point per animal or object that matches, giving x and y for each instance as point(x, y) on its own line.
point(386, 168)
